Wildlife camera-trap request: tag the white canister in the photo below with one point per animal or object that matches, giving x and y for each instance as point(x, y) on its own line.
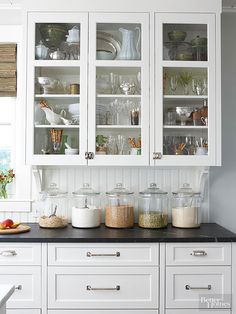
point(89, 217)
point(86, 211)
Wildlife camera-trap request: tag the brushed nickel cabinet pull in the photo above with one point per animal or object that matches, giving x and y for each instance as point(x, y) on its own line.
point(19, 287)
point(188, 287)
point(8, 253)
point(89, 254)
point(89, 288)
point(199, 253)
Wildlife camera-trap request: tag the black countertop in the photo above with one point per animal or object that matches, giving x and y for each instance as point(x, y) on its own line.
point(207, 233)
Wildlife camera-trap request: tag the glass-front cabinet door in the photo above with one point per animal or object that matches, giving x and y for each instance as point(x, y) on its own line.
point(118, 102)
point(57, 88)
point(184, 106)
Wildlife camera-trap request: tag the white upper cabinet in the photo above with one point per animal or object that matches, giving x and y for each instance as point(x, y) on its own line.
point(118, 122)
point(184, 119)
point(57, 88)
point(110, 87)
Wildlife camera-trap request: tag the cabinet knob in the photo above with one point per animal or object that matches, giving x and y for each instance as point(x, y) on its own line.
point(157, 155)
point(8, 253)
point(90, 155)
point(86, 155)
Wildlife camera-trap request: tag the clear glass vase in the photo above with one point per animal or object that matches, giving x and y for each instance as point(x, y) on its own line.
point(3, 191)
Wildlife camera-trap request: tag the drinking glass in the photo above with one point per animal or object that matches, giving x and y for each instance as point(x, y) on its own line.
point(114, 80)
point(173, 83)
point(121, 140)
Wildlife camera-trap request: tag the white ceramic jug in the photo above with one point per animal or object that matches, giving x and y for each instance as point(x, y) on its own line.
point(130, 48)
point(73, 36)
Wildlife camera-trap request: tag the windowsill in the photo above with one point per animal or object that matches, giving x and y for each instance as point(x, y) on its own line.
point(15, 205)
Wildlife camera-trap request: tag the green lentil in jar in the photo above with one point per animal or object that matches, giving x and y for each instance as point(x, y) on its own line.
point(152, 220)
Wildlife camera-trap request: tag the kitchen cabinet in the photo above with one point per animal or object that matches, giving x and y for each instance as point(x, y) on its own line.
point(185, 100)
point(125, 111)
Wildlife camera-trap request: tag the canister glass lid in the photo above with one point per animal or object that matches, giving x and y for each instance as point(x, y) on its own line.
point(152, 191)
point(186, 190)
point(86, 190)
point(53, 191)
point(119, 190)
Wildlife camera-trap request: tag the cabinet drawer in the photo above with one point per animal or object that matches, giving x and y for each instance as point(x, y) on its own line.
point(105, 312)
point(102, 287)
point(103, 254)
point(185, 285)
point(198, 254)
point(28, 279)
point(20, 254)
point(29, 311)
point(199, 311)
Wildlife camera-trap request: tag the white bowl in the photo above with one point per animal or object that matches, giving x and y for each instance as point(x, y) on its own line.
point(74, 109)
point(71, 151)
point(104, 55)
point(44, 80)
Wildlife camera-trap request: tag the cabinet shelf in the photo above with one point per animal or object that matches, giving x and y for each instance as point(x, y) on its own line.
point(118, 127)
point(117, 96)
point(185, 64)
point(183, 97)
point(57, 63)
point(184, 127)
point(56, 126)
point(119, 63)
point(57, 96)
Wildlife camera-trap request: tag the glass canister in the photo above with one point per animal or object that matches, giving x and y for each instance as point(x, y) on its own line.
point(86, 212)
point(54, 208)
point(119, 210)
point(153, 208)
point(186, 208)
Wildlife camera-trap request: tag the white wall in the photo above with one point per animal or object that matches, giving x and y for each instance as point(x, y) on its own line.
point(223, 179)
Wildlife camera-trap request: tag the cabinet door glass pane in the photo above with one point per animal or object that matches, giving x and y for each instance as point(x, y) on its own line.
point(118, 90)
point(185, 111)
point(185, 42)
point(57, 88)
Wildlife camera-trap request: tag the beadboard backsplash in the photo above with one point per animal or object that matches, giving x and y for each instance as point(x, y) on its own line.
point(105, 178)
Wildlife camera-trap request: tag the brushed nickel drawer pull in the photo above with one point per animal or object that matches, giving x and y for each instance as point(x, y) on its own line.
point(89, 288)
point(89, 254)
point(199, 253)
point(187, 287)
point(19, 287)
point(8, 253)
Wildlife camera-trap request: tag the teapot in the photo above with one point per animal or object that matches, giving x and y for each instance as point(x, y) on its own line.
point(73, 36)
point(41, 51)
point(57, 55)
point(129, 49)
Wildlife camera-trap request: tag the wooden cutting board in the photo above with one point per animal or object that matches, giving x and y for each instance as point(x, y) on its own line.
point(19, 229)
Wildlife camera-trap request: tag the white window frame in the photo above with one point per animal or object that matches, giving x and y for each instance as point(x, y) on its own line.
point(21, 201)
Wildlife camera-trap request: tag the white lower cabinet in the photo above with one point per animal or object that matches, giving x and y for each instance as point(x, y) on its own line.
point(103, 287)
point(24, 311)
point(104, 312)
point(27, 280)
point(198, 311)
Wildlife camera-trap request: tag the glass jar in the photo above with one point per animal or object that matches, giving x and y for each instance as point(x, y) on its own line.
point(186, 208)
point(54, 213)
point(119, 210)
point(86, 211)
point(153, 208)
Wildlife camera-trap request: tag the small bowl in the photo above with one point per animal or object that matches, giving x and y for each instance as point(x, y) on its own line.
point(44, 80)
point(104, 55)
point(71, 151)
point(177, 36)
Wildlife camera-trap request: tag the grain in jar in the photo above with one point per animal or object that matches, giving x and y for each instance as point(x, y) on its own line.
point(119, 210)
point(153, 208)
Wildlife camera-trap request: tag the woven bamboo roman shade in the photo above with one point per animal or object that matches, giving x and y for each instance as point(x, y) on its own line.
point(7, 69)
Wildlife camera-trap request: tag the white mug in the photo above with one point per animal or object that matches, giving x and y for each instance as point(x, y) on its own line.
point(201, 151)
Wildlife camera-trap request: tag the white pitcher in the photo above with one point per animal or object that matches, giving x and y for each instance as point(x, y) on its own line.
point(130, 48)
